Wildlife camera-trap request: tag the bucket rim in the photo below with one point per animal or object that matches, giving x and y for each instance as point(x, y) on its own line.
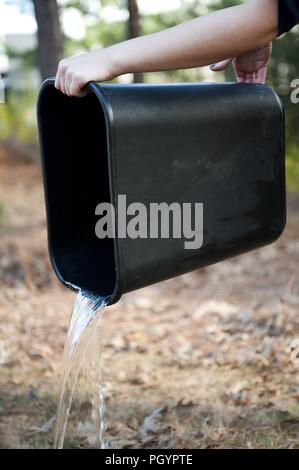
point(97, 90)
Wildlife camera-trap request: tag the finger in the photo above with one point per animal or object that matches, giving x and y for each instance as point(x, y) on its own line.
point(240, 76)
point(62, 70)
point(57, 81)
point(80, 94)
point(220, 66)
point(250, 77)
point(243, 77)
point(76, 89)
point(262, 75)
point(68, 82)
point(62, 84)
point(84, 91)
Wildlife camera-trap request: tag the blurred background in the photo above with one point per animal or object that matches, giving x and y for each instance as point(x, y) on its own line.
point(35, 35)
point(208, 356)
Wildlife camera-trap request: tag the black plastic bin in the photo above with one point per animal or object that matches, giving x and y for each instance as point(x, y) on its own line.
point(217, 144)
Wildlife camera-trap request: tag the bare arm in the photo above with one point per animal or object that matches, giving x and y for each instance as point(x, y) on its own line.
point(224, 34)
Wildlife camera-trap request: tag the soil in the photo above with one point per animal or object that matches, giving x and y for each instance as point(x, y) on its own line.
point(206, 360)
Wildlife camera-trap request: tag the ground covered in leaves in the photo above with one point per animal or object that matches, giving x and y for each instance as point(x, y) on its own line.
point(201, 361)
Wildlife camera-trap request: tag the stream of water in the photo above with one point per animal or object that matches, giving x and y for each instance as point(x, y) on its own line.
point(82, 367)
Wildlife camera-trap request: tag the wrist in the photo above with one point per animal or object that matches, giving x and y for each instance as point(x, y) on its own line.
point(115, 62)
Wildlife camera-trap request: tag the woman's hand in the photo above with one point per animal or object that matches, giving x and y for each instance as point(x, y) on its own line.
point(76, 72)
point(250, 67)
point(230, 32)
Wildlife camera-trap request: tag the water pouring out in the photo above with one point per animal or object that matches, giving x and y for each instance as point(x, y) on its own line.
point(82, 355)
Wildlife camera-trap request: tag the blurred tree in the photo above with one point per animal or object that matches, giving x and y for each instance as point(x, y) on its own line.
point(133, 23)
point(134, 29)
point(50, 38)
point(101, 32)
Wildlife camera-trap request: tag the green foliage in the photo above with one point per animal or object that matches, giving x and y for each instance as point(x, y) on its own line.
point(82, 5)
point(292, 166)
point(218, 4)
point(17, 117)
point(28, 59)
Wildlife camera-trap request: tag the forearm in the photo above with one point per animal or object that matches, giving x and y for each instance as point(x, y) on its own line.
point(208, 39)
point(224, 34)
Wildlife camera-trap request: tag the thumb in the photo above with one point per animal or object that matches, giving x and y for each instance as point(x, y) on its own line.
point(220, 66)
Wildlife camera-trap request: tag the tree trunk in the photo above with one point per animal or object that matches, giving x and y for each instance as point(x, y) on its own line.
point(134, 30)
point(50, 38)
